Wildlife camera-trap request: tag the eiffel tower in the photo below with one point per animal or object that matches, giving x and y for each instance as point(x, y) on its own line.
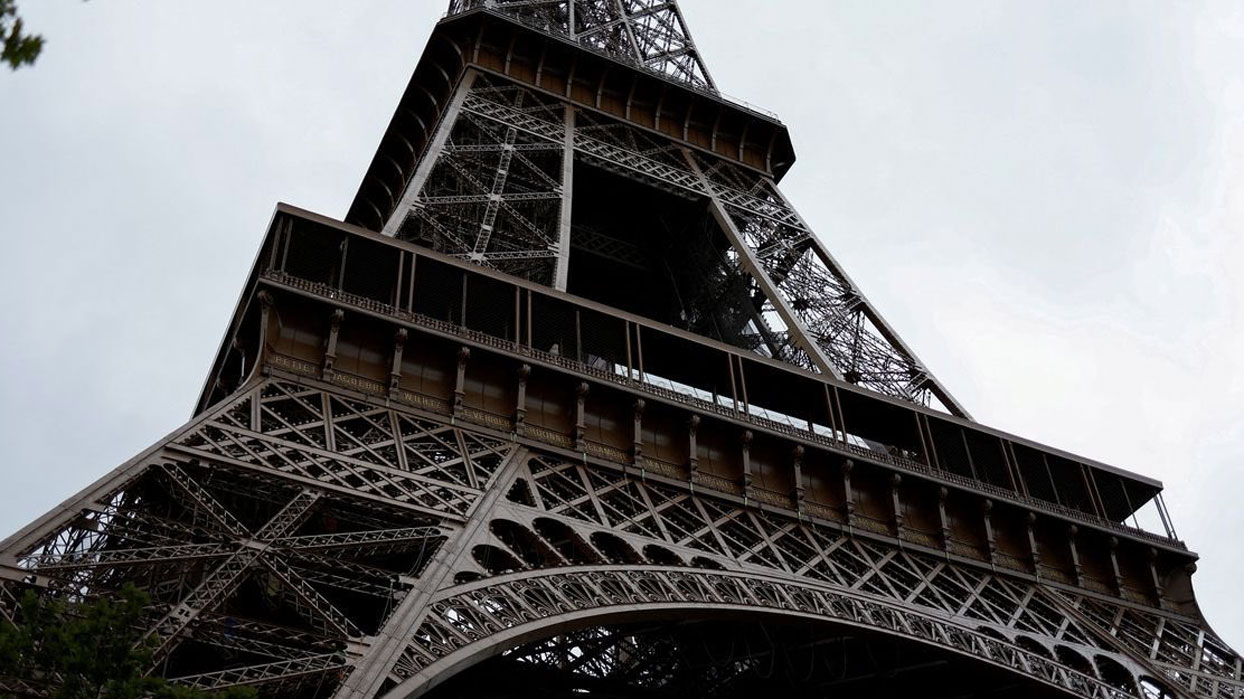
point(574, 403)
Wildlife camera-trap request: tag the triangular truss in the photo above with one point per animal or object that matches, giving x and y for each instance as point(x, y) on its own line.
point(292, 525)
point(570, 537)
point(270, 532)
point(316, 534)
point(649, 34)
point(497, 192)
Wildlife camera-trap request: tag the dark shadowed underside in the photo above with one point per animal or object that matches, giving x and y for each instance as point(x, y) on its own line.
point(737, 658)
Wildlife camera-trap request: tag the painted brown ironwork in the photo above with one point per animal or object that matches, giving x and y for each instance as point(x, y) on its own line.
point(809, 312)
point(648, 34)
point(549, 537)
point(588, 409)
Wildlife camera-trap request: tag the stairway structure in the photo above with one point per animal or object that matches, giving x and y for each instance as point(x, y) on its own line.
point(574, 403)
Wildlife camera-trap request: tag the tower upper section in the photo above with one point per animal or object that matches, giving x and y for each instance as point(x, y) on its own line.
point(582, 145)
point(648, 34)
point(667, 92)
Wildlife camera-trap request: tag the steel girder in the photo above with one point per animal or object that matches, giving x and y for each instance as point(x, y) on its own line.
point(486, 195)
point(540, 569)
point(272, 533)
point(496, 195)
point(647, 34)
point(308, 540)
point(297, 537)
point(618, 520)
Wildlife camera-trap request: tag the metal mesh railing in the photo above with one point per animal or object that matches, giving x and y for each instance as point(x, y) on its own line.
point(592, 343)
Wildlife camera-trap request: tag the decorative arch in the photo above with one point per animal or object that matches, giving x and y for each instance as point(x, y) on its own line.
point(1113, 673)
point(1033, 646)
point(523, 543)
point(615, 548)
point(566, 542)
point(1073, 659)
point(470, 623)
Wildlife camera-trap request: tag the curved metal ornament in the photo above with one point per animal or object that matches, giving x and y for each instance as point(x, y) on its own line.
point(468, 623)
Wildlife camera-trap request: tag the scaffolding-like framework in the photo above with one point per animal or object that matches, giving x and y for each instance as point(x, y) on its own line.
point(576, 404)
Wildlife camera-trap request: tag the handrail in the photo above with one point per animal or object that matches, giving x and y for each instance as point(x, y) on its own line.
point(622, 380)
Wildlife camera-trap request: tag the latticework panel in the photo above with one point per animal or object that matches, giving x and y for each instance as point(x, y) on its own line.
point(270, 533)
point(494, 194)
point(647, 34)
point(807, 311)
point(478, 611)
point(1188, 652)
point(567, 514)
point(294, 523)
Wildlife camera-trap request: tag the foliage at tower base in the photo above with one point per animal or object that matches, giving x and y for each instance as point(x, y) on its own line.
point(55, 649)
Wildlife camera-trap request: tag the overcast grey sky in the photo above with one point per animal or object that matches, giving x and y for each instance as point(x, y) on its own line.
point(1046, 199)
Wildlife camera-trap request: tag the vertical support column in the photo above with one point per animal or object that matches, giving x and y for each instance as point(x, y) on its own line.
point(520, 408)
point(266, 302)
point(395, 298)
point(848, 505)
point(430, 155)
point(1033, 552)
point(747, 463)
point(630, 355)
point(639, 351)
point(410, 284)
point(797, 463)
point(289, 233)
point(464, 355)
point(1153, 574)
point(265, 316)
point(1114, 565)
point(279, 233)
point(341, 269)
point(395, 371)
point(1072, 531)
point(637, 433)
point(330, 352)
point(562, 273)
point(991, 541)
point(942, 522)
point(580, 426)
point(693, 450)
point(896, 504)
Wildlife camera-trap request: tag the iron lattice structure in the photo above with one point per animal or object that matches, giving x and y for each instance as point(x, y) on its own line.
point(648, 34)
point(595, 413)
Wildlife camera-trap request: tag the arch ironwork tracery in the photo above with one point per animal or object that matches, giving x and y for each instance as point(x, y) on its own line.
point(431, 443)
point(471, 622)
